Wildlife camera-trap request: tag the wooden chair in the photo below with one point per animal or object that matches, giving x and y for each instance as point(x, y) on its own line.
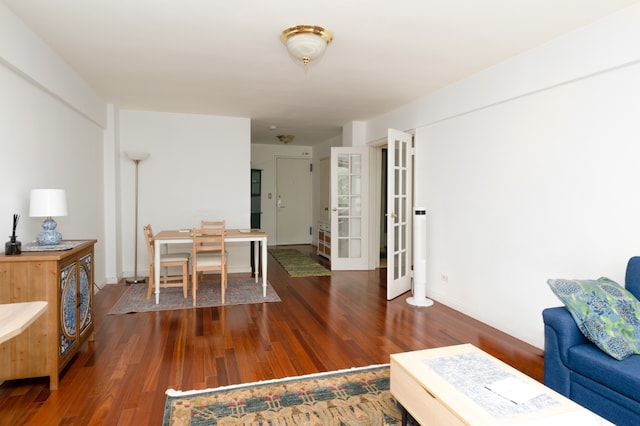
point(209, 254)
point(212, 224)
point(206, 224)
point(166, 260)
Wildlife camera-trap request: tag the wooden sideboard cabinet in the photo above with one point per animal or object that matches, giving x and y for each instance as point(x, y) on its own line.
point(63, 278)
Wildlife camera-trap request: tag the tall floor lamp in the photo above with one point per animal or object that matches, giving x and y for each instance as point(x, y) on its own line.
point(137, 157)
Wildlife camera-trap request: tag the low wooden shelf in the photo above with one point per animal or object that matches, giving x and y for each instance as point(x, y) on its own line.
point(324, 239)
point(64, 279)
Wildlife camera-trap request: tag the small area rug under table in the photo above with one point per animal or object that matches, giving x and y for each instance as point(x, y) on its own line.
point(358, 396)
point(240, 291)
point(298, 264)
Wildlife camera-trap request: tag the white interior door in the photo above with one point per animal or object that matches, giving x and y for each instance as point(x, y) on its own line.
point(349, 208)
point(399, 177)
point(293, 201)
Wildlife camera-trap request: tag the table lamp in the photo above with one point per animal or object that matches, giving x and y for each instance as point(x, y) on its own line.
point(48, 203)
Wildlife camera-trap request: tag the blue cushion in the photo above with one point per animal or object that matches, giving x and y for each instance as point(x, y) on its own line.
point(605, 313)
point(619, 376)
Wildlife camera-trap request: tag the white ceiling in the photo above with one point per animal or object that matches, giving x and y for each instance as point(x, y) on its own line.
point(224, 57)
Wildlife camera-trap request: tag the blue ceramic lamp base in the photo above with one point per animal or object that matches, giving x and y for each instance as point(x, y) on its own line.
point(49, 237)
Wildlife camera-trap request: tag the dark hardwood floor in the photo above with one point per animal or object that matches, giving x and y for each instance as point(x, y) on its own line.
point(322, 324)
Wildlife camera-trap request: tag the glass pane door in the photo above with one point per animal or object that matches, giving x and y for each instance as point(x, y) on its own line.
point(349, 218)
point(399, 145)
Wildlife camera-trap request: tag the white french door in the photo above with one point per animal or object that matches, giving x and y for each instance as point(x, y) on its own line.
point(349, 208)
point(399, 178)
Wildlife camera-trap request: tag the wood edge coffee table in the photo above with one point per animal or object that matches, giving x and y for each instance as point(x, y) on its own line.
point(17, 317)
point(432, 399)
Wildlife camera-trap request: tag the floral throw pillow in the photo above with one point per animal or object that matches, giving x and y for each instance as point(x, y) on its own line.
point(605, 312)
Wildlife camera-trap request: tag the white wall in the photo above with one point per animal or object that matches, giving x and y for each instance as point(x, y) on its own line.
point(529, 171)
point(540, 187)
point(354, 133)
point(51, 136)
point(199, 168)
point(112, 216)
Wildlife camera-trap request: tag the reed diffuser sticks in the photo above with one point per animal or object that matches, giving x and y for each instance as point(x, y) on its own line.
point(16, 218)
point(13, 246)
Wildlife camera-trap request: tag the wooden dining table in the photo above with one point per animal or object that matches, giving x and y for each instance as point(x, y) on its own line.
point(183, 236)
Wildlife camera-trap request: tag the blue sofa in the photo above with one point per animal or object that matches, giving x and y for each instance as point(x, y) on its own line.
point(579, 370)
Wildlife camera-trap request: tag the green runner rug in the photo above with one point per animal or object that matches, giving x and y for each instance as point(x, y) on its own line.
point(298, 264)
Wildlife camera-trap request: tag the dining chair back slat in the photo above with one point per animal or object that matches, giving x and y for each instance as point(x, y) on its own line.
point(209, 255)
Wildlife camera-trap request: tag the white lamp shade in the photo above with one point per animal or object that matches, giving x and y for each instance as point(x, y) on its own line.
point(136, 155)
point(310, 46)
point(48, 203)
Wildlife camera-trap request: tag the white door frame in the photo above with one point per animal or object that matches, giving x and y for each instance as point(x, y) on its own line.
point(375, 197)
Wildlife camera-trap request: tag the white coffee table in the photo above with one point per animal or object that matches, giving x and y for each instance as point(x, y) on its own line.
point(450, 386)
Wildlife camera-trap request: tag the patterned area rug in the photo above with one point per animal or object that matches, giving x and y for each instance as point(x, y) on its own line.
point(240, 291)
point(359, 396)
point(298, 264)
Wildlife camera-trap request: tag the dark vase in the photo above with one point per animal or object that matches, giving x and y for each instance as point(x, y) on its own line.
point(13, 246)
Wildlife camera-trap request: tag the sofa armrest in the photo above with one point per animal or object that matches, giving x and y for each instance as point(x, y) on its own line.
point(560, 334)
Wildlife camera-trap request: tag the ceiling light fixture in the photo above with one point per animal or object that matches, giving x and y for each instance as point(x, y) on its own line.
point(285, 138)
point(306, 42)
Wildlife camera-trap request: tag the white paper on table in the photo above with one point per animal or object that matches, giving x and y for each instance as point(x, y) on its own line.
point(580, 416)
point(515, 390)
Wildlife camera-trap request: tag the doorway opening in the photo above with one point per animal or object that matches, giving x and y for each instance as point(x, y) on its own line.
point(383, 208)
